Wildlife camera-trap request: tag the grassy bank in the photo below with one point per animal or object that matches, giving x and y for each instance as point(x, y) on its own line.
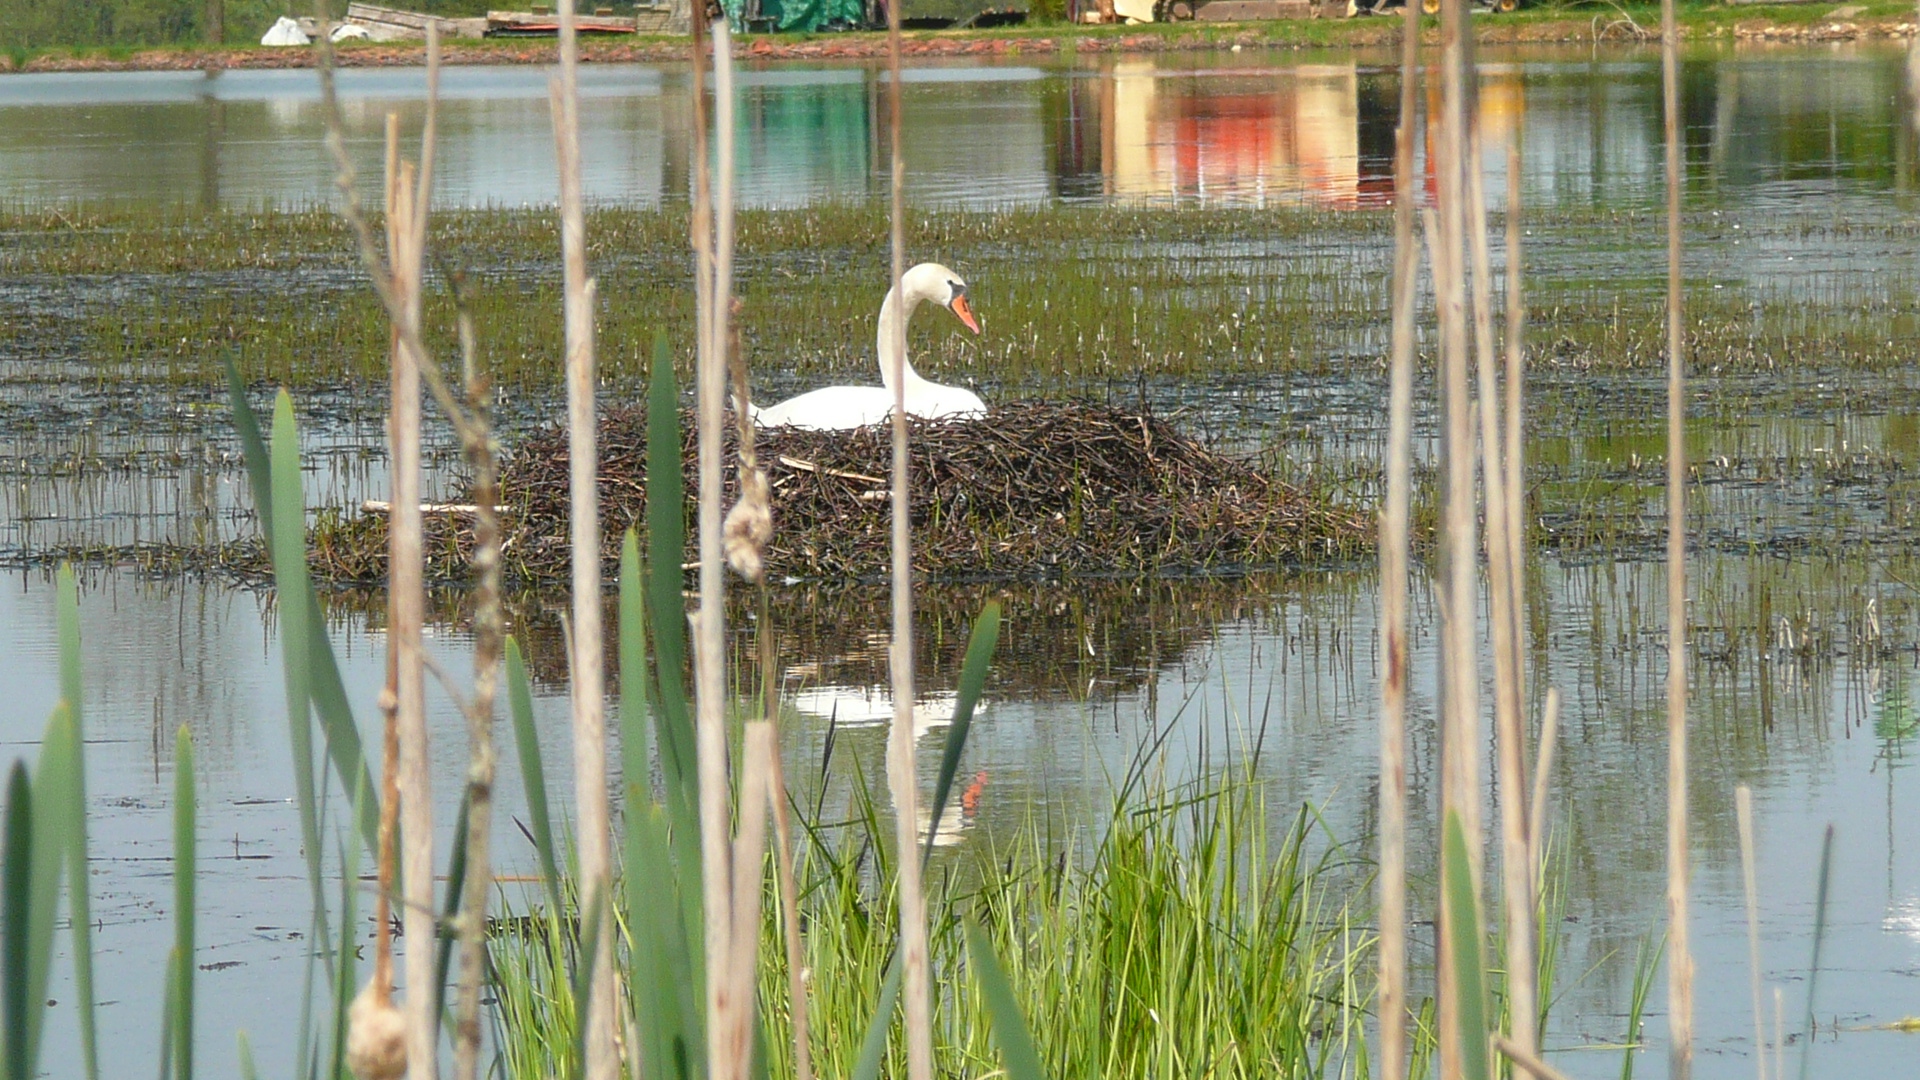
point(1542, 24)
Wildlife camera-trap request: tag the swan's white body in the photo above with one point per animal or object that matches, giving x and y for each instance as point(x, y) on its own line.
point(841, 408)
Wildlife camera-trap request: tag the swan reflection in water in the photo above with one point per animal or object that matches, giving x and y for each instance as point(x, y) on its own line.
point(872, 706)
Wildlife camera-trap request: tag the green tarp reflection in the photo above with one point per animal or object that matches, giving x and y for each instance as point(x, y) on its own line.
point(805, 16)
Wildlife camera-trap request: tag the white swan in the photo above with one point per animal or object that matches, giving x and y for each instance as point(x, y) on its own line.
point(841, 408)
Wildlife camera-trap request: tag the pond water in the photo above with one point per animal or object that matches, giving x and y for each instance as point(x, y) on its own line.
point(1808, 639)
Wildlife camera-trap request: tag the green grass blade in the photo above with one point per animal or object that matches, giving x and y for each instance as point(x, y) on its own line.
point(79, 884)
point(1009, 1024)
point(667, 982)
point(253, 449)
point(973, 679)
point(583, 971)
point(1469, 962)
point(52, 839)
point(183, 899)
point(1819, 936)
point(533, 771)
point(873, 1048)
point(16, 871)
point(288, 545)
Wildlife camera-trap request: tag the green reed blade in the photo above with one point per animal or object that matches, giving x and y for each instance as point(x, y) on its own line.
point(287, 542)
point(873, 1047)
point(326, 689)
point(456, 887)
point(667, 981)
point(337, 727)
point(53, 783)
point(16, 905)
point(636, 751)
point(183, 898)
point(1003, 1008)
point(168, 1007)
point(533, 771)
point(973, 679)
point(245, 1050)
point(253, 449)
point(1819, 936)
point(74, 809)
point(666, 549)
point(1469, 962)
point(348, 982)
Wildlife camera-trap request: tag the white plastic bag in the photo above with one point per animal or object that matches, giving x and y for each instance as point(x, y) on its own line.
point(285, 32)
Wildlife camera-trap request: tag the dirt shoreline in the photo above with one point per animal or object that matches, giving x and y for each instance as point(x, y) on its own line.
point(1303, 34)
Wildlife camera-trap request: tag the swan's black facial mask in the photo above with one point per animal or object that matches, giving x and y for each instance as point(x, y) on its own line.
point(958, 304)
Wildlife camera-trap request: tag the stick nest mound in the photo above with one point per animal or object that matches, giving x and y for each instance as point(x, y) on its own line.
point(1037, 489)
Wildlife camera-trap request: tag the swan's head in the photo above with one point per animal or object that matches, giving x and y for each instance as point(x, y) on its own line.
point(931, 281)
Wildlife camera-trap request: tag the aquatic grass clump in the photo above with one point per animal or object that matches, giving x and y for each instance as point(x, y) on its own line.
point(1192, 932)
point(1041, 489)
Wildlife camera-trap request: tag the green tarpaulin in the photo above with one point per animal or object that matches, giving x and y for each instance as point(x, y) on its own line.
point(805, 16)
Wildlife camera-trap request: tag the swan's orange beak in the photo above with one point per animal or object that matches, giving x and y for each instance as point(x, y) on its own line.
point(965, 311)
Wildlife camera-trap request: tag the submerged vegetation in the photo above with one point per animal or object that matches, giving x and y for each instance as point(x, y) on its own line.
point(1073, 299)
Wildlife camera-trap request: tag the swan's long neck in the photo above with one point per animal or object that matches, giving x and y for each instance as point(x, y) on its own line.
point(891, 346)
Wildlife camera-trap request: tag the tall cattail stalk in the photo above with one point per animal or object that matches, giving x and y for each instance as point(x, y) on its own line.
point(1503, 570)
point(902, 772)
point(1679, 947)
point(1459, 783)
point(406, 610)
point(594, 842)
point(1395, 547)
point(729, 998)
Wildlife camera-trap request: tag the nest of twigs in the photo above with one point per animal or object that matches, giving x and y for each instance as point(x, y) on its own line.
point(1038, 489)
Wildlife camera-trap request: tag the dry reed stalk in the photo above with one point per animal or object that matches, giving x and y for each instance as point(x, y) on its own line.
point(1527, 1060)
point(1503, 569)
point(1395, 547)
point(729, 1000)
point(1679, 946)
point(489, 642)
point(1459, 784)
point(1542, 771)
point(902, 773)
point(587, 660)
point(757, 751)
point(1516, 396)
point(1743, 810)
point(406, 610)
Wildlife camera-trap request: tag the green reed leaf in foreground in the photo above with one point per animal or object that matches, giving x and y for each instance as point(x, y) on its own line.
point(533, 772)
point(666, 548)
point(973, 679)
point(287, 541)
point(16, 892)
point(183, 901)
point(1009, 1025)
point(53, 839)
point(74, 810)
point(1469, 961)
point(325, 688)
point(873, 1048)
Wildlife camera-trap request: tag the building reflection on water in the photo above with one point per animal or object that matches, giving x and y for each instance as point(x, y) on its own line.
point(1182, 129)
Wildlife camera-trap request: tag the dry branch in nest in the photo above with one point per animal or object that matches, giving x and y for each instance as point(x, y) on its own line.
point(1037, 489)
